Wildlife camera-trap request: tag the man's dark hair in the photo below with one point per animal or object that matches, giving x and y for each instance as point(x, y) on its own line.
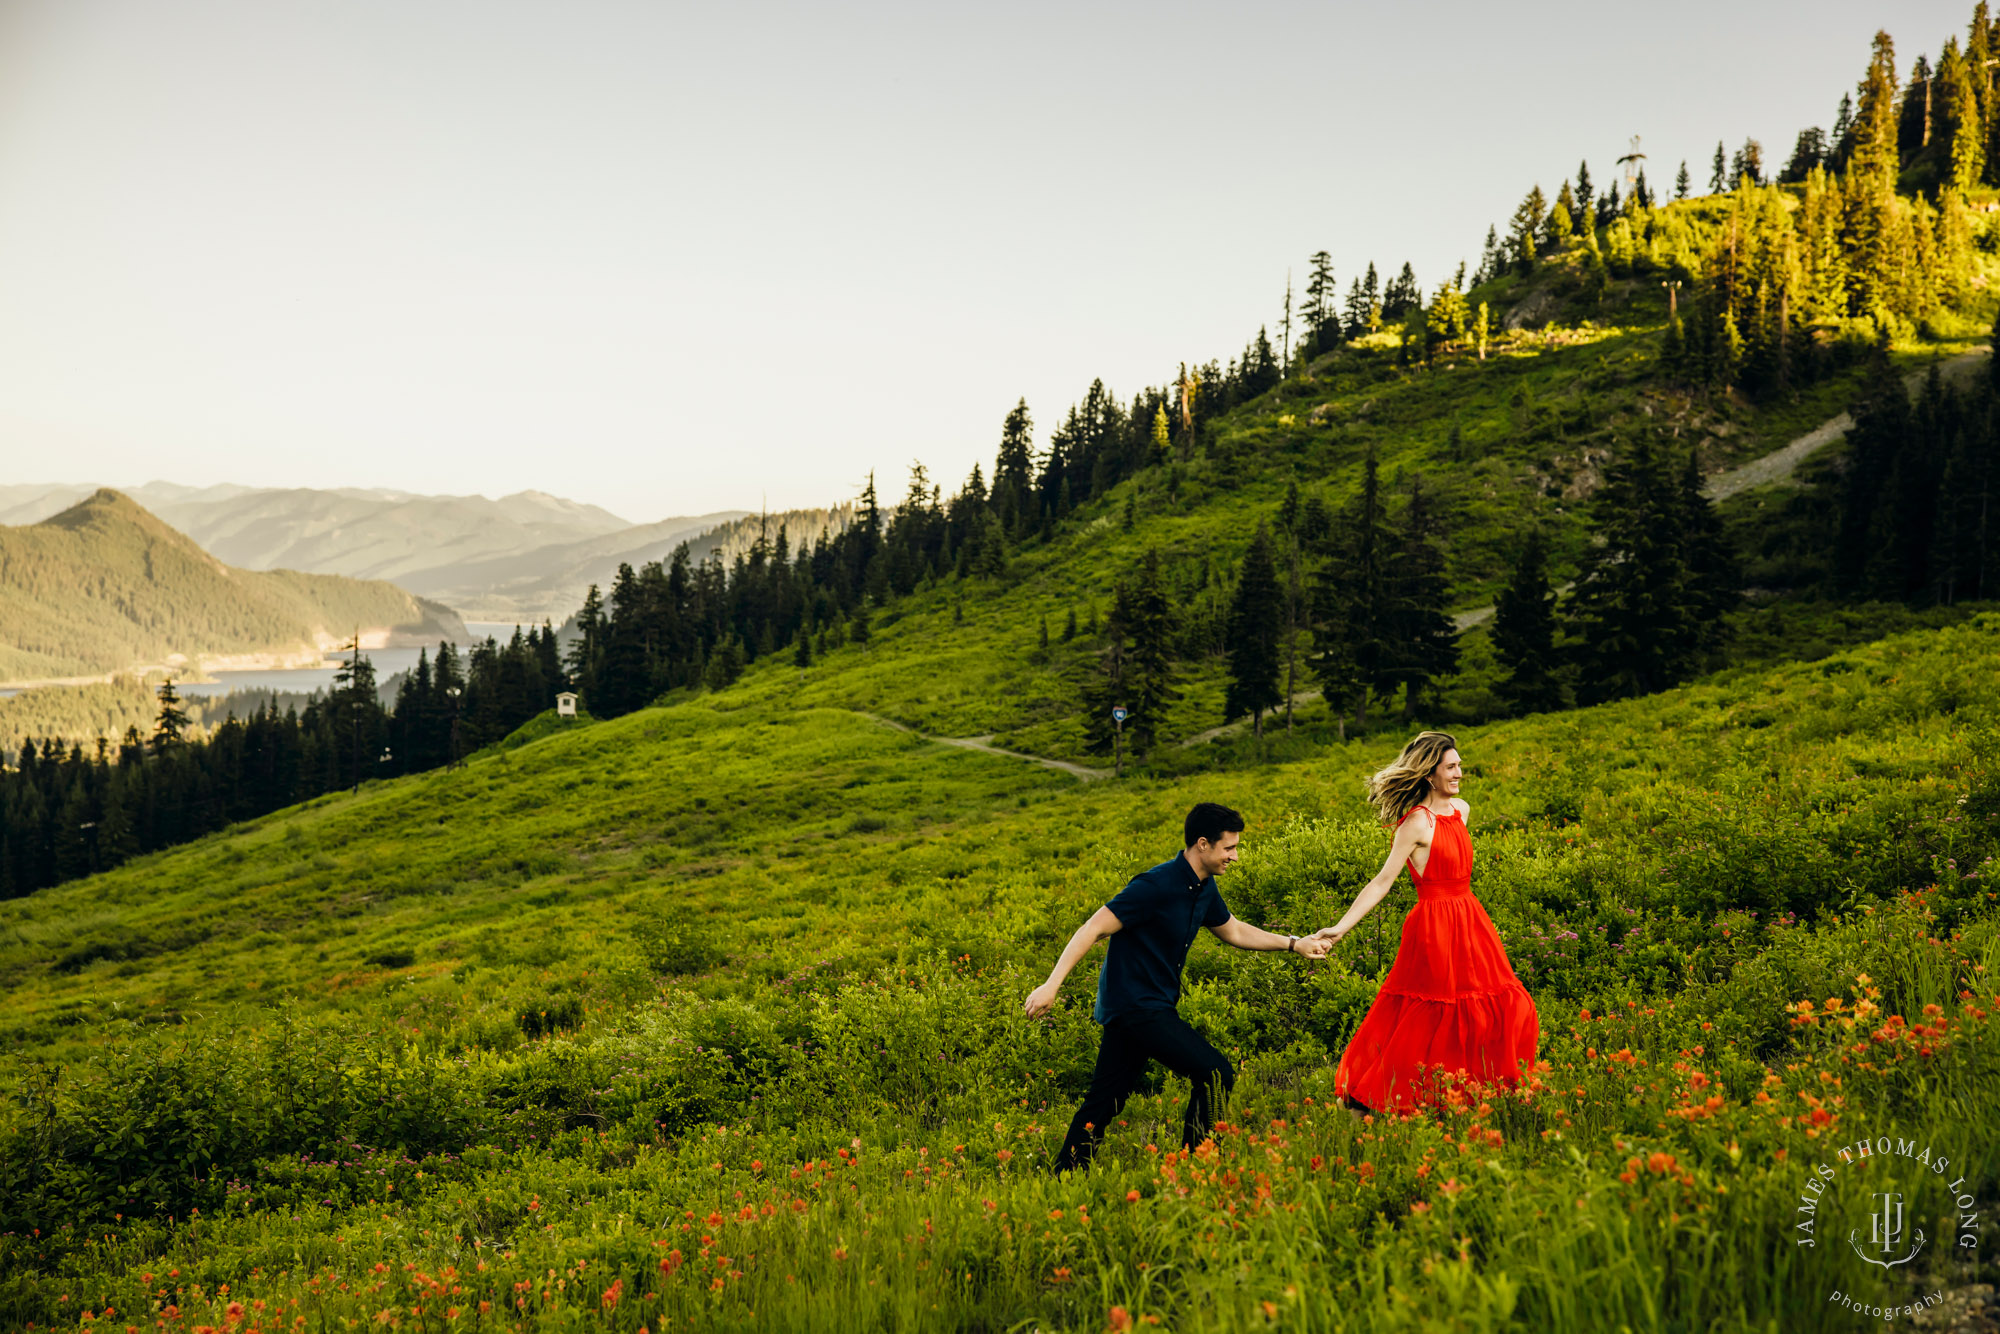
point(1210, 821)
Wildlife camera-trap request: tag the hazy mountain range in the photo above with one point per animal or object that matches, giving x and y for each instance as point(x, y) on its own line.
point(525, 556)
point(104, 586)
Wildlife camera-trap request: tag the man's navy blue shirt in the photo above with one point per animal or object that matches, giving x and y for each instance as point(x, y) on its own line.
point(1159, 914)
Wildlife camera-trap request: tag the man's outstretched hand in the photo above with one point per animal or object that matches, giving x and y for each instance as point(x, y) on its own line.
point(1328, 937)
point(1041, 1000)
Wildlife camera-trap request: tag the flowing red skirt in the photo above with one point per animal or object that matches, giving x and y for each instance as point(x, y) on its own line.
point(1451, 1002)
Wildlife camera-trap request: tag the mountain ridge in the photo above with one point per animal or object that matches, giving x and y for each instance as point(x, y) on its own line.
point(151, 595)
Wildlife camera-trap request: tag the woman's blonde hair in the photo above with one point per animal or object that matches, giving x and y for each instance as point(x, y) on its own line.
point(1407, 782)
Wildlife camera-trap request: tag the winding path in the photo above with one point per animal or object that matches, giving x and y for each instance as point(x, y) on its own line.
point(1782, 462)
point(985, 745)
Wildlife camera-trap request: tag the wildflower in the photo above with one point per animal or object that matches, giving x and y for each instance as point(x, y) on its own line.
point(1062, 1275)
point(1005, 1155)
point(1131, 1197)
point(1118, 1319)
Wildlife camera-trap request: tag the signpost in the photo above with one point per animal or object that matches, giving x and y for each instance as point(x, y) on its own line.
point(1119, 713)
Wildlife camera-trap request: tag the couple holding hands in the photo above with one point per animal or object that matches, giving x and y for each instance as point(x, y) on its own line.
point(1451, 999)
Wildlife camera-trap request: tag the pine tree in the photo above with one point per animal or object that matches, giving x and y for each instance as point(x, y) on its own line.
point(1720, 174)
point(1256, 620)
point(802, 649)
point(1582, 200)
point(1681, 183)
point(1013, 471)
point(1348, 595)
point(1135, 670)
point(170, 727)
point(1521, 232)
point(1150, 624)
point(1524, 632)
point(1322, 304)
point(1714, 579)
point(1633, 607)
point(1842, 144)
point(1420, 641)
point(1069, 626)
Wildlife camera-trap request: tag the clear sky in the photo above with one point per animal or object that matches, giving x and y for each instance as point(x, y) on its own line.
point(669, 258)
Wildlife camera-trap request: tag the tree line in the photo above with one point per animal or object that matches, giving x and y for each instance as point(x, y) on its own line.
point(66, 811)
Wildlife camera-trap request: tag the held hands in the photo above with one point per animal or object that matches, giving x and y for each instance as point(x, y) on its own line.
point(1329, 935)
point(1041, 1000)
point(1313, 946)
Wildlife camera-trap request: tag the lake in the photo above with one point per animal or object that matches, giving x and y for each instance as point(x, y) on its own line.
point(303, 680)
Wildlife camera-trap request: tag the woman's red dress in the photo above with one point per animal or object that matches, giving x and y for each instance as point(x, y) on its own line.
point(1451, 999)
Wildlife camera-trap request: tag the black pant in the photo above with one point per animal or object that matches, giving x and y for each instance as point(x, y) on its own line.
point(1129, 1042)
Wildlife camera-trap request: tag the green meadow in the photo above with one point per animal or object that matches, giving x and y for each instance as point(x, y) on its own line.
point(709, 1017)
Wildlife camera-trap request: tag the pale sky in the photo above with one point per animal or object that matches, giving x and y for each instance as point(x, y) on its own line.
point(672, 258)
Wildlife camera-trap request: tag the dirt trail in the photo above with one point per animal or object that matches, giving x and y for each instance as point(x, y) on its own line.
point(985, 744)
point(1781, 462)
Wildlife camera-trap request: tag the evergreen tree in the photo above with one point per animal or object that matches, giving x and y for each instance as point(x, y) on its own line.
point(1714, 579)
point(170, 727)
point(1419, 640)
point(1322, 304)
point(1527, 223)
point(1135, 669)
point(1808, 153)
point(1013, 469)
point(1348, 598)
point(1151, 629)
point(1491, 261)
point(1524, 633)
point(1402, 295)
point(1720, 174)
point(1681, 183)
point(1581, 201)
point(1634, 608)
point(1842, 138)
point(1256, 620)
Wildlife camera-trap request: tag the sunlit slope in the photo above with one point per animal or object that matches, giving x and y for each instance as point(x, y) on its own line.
point(752, 845)
point(1517, 439)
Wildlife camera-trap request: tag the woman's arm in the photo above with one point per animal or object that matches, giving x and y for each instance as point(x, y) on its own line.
point(1376, 890)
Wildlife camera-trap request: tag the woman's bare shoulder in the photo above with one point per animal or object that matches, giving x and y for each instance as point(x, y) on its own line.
point(1464, 807)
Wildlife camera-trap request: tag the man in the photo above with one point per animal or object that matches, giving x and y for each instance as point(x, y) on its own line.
point(1151, 923)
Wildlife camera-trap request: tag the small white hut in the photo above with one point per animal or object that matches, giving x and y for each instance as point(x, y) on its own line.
point(566, 704)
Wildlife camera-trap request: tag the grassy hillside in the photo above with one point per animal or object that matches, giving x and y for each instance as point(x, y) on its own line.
point(711, 1013)
point(1517, 439)
point(105, 586)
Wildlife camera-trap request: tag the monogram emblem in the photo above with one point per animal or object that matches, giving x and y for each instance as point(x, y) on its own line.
point(1886, 1232)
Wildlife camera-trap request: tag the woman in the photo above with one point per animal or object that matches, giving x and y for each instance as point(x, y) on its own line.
point(1451, 999)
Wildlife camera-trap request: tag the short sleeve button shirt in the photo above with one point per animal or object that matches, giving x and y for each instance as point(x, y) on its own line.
point(1158, 913)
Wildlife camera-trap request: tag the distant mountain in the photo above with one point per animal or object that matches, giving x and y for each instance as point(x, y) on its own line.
point(550, 582)
point(369, 534)
point(106, 586)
